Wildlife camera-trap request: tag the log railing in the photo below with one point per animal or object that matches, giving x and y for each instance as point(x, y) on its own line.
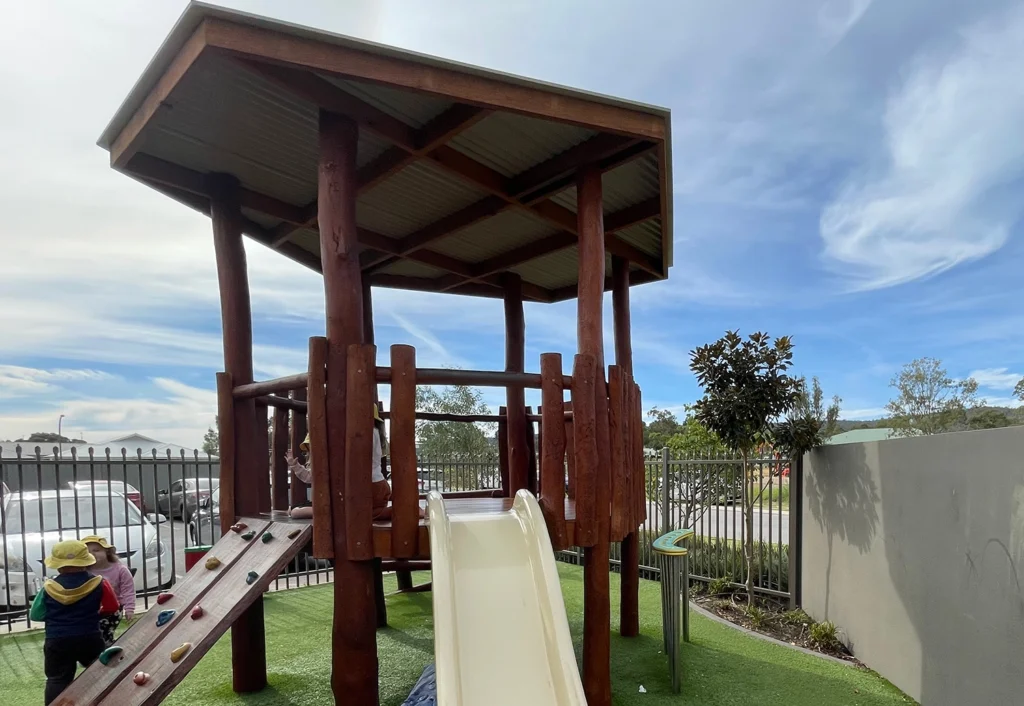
point(565, 463)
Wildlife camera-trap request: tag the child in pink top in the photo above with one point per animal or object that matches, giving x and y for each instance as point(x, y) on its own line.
point(120, 578)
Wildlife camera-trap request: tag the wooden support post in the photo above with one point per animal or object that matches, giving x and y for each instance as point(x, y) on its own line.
point(368, 337)
point(503, 469)
point(316, 418)
point(359, 431)
point(297, 495)
point(248, 643)
point(570, 456)
point(279, 467)
point(552, 473)
point(585, 432)
point(354, 656)
point(226, 427)
point(532, 470)
point(515, 362)
point(404, 487)
point(261, 471)
point(619, 454)
point(629, 597)
point(590, 336)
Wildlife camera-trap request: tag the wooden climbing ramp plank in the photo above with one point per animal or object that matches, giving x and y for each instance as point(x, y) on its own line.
point(223, 594)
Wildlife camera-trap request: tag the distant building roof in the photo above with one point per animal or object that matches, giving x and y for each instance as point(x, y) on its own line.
point(859, 436)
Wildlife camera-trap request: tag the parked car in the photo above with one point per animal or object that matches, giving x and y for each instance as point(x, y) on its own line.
point(34, 521)
point(110, 486)
point(184, 496)
point(204, 529)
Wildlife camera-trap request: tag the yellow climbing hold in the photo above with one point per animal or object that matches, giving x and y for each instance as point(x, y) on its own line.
point(178, 652)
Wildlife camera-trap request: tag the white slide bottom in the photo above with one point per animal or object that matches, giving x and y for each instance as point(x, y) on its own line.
point(500, 631)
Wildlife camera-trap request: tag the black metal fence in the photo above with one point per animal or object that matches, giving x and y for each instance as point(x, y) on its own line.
point(154, 509)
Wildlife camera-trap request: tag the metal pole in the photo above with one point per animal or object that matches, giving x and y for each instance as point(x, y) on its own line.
point(666, 493)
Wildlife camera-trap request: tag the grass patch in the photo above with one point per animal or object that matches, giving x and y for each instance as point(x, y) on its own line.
point(722, 667)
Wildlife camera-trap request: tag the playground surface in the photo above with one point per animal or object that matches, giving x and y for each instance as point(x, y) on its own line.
point(723, 667)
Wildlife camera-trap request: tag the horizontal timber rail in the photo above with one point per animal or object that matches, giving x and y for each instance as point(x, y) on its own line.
point(446, 417)
point(479, 378)
point(283, 403)
point(269, 387)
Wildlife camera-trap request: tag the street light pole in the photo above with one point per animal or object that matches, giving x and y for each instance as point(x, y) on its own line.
point(60, 437)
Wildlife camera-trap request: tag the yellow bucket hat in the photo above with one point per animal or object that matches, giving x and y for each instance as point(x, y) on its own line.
point(376, 414)
point(305, 444)
point(70, 552)
point(96, 539)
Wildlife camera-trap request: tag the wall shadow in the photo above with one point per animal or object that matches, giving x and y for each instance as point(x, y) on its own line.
point(842, 498)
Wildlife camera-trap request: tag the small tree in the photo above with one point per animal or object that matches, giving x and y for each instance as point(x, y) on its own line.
point(211, 441)
point(1018, 391)
point(454, 442)
point(809, 423)
point(663, 425)
point(746, 389)
point(928, 401)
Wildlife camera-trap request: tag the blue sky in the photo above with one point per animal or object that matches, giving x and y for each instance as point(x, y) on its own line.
point(847, 172)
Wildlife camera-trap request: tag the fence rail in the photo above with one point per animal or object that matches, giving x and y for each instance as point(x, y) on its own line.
point(154, 507)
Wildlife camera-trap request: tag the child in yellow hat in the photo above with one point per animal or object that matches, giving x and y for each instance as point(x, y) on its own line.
point(120, 578)
point(70, 604)
point(304, 472)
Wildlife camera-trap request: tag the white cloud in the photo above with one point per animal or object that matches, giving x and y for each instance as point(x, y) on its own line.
point(951, 141)
point(996, 378)
point(19, 381)
point(864, 413)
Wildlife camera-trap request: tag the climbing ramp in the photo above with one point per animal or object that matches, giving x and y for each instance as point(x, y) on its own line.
point(235, 572)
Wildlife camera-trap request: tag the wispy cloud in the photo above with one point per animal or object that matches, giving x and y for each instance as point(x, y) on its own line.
point(996, 378)
point(951, 141)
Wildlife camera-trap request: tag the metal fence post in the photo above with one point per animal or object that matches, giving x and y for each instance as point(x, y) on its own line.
point(666, 494)
point(796, 506)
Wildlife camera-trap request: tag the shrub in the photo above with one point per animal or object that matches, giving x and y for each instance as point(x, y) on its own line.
point(756, 615)
point(825, 636)
point(797, 617)
point(721, 585)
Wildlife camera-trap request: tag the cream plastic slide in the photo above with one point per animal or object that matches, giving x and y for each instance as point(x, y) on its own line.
point(500, 631)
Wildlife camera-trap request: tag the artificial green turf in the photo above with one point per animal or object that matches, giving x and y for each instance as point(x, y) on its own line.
point(722, 666)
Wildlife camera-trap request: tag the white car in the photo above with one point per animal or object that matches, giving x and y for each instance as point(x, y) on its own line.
point(34, 521)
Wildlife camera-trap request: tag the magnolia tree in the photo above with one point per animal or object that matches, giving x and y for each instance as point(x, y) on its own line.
point(746, 389)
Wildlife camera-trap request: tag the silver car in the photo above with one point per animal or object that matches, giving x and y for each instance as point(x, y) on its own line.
point(34, 521)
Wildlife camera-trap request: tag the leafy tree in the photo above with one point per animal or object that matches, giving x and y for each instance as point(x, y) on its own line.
point(990, 419)
point(1018, 391)
point(662, 427)
point(809, 423)
point(928, 401)
point(746, 389)
point(453, 441)
point(698, 486)
point(49, 437)
point(211, 441)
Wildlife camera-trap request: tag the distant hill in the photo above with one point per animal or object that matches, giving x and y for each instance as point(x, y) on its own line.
point(977, 418)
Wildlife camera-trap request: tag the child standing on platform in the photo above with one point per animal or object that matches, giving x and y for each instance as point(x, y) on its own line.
point(121, 580)
point(71, 605)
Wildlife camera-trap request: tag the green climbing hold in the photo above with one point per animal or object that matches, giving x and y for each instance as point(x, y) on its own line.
point(111, 654)
point(251, 577)
point(248, 535)
point(267, 537)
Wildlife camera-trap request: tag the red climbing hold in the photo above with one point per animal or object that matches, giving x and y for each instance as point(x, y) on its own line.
point(164, 597)
point(140, 678)
point(197, 612)
point(238, 526)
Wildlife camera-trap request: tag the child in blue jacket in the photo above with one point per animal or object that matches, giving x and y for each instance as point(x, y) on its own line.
point(70, 605)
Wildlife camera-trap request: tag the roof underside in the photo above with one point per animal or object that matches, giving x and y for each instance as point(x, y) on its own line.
point(462, 174)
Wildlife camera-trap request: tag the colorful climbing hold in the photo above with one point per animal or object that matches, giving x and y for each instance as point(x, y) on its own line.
point(141, 678)
point(238, 526)
point(212, 563)
point(164, 597)
point(179, 651)
point(111, 654)
point(248, 535)
point(251, 577)
point(267, 537)
point(294, 533)
point(164, 617)
point(197, 612)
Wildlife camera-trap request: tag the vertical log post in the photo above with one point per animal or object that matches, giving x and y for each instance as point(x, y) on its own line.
point(552, 468)
point(248, 638)
point(629, 597)
point(590, 336)
point(354, 658)
point(297, 494)
point(503, 470)
point(359, 431)
point(261, 472)
point(226, 427)
point(619, 453)
point(279, 467)
point(405, 502)
point(316, 418)
point(532, 469)
point(570, 456)
point(515, 362)
point(584, 372)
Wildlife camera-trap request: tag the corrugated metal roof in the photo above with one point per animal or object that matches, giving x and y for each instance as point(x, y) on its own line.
point(223, 117)
point(511, 144)
point(415, 197)
point(499, 234)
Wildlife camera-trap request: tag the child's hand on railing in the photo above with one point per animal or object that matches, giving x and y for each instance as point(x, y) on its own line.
point(293, 463)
